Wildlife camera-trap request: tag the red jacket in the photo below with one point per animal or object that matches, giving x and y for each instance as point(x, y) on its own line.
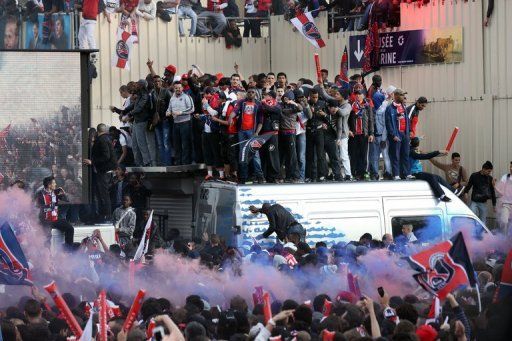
point(213, 5)
point(264, 5)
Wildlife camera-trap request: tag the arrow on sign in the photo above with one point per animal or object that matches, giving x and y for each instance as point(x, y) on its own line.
point(358, 53)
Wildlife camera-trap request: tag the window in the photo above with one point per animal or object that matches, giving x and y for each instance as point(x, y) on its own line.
point(468, 224)
point(425, 228)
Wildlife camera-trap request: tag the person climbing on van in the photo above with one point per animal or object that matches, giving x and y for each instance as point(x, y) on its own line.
point(280, 221)
point(416, 169)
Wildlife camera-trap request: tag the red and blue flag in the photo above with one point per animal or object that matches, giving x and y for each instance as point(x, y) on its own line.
point(444, 267)
point(13, 264)
point(344, 81)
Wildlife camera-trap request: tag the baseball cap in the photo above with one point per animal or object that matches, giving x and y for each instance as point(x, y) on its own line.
point(399, 91)
point(171, 68)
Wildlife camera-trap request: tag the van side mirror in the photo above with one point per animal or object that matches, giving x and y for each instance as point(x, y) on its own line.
point(237, 229)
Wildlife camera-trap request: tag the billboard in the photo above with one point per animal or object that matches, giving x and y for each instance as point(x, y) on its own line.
point(41, 119)
point(442, 45)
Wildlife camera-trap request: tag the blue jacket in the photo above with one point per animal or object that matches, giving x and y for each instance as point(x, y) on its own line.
point(414, 159)
point(392, 122)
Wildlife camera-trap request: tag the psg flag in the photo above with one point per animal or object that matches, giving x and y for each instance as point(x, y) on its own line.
point(249, 147)
point(444, 267)
point(123, 49)
point(305, 24)
point(344, 81)
point(13, 264)
point(505, 287)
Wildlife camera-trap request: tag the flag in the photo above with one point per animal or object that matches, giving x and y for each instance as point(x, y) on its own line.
point(344, 81)
point(249, 147)
point(306, 25)
point(123, 49)
point(444, 267)
point(371, 49)
point(434, 312)
point(13, 264)
point(505, 287)
point(87, 334)
point(3, 135)
point(144, 243)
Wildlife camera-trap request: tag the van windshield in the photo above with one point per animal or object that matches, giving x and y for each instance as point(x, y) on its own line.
point(467, 223)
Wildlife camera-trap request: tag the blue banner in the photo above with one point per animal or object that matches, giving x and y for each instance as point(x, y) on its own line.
point(411, 47)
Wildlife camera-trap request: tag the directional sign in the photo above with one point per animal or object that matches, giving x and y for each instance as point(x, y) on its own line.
point(411, 47)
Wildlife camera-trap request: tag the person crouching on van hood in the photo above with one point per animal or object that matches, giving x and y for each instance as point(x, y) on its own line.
point(281, 222)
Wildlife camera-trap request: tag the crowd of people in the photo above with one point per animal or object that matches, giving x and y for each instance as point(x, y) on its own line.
point(42, 147)
point(204, 315)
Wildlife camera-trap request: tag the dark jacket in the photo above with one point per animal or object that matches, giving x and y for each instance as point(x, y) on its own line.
point(368, 120)
point(289, 116)
point(391, 117)
point(316, 120)
point(483, 189)
point(258, 117)
point(161, 101)
point(140, 110)
point(103, 156)
point(279, 220)
point(271, 117)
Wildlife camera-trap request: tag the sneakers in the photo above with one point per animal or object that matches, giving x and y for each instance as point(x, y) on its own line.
point(348, 178)
point(261, 181)
point(410, 177)
point(208, 178)
point(444, 198)
point(397, 178)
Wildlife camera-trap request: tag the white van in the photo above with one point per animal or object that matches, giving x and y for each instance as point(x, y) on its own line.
point(332, 212)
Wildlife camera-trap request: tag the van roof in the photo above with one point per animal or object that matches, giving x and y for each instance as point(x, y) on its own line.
point(388, 188)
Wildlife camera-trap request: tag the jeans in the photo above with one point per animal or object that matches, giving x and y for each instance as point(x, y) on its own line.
point(187, 11)
point(219, 20)
point(399, 155)
point(182, 143)
point(66, 228)
point(345, 160)
point(377, 147)
point(270, 163)
point(163, 140)
point(358, 149)
point(316, 166)
point(301, 154)
point(433, 182)
point(480, 209)
point(255, 162)
point(332, 152)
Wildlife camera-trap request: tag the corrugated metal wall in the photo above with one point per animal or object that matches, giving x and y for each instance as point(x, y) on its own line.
point(160, 42)
point(475, 95)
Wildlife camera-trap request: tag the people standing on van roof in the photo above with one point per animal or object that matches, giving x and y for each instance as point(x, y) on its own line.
point(483, 189)
point(398, 127)
point(281, 222)
point(416, 169)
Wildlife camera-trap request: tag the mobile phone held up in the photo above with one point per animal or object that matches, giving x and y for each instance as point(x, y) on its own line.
point(381, 291)
point(158, 333)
